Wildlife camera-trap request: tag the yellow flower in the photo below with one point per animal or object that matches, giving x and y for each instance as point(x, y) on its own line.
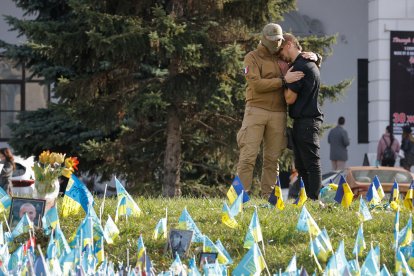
point(67, 172)
point(59, 158)
point(44, 157)
point(71, 163)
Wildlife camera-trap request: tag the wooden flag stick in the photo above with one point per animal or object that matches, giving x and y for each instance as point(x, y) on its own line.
point(101, 209)
point(7, 224)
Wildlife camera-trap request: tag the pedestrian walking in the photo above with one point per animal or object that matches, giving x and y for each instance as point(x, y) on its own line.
point(339, 141)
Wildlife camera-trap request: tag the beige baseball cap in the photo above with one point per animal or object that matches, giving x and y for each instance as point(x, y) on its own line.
point(272, 32)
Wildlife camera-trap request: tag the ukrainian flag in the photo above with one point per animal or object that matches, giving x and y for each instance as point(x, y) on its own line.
point(22, 227)
point(160, 229)
point(300, 200)
point(252, 263)
point(77, 196)
point(254, 232)
point(235, 189)
point(126, 205)
point(5, 200)
point(141, 252)
point(292, 268)
point(99, 250)
point(396, 228)
point(209, 246)
point(62, 246)
point(50, 220)
point(370, 265)
point(379, 188)
point(111, 231)
point(401, 264)
point(276, 198)
point(395, 196)
point(306, 223)
point(224, 251)
point(405, 236)
point(359, 242)
point(409, 197)
point(227, 218)
point(363, 210)
point(344, 193)
point(237, 205)
point(186, 222)
point(372, 195)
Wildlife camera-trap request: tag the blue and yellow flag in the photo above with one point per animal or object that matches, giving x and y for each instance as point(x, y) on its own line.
point(89, 261)
point(224, 251)
point(363, 211)
point(177, 267)
point(405, 236)
point(306, 223)
point(99, 250)
point(401, 264)
point(227, 218)
point(111, 231)
point(186, 222)
point(371, 265)
point(68, 261)
point(409, 197)
point(209, 246)
point(24, 225)
point(5, 200)
point(235, 189)
point(359, 242)
point(50, 220)
point(160, 229)
point(395, 196)
point(192, 268)
point(276, 198)
point(379, 188)
point(344, 194)
point(372, 195)
point(254, 232)
point(62, 246)
point(126, 205)
point(302, 197)
point(314, 254)
point(237, 206)
point(77, 197)
point(141, 253)
point(396, 229)
point(341, 261)
point(252, 263)
point(292, 268)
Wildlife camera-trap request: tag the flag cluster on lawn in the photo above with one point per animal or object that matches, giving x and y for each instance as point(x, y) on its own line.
point(85, 253)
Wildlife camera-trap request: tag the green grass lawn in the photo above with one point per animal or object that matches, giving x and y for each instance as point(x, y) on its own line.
point(281, 239)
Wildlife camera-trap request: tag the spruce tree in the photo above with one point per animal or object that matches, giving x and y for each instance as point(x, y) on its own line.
point(161, 81)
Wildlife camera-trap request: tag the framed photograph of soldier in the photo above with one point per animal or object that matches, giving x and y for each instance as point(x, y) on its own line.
point(207, 257)
point(34, 208)
point(178, 242)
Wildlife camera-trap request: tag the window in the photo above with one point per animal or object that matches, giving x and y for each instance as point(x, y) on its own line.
point(18, 92)
point(363, 101)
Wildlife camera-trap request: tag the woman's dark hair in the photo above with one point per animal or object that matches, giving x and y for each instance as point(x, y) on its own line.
point(389, 130)
point(9, 156)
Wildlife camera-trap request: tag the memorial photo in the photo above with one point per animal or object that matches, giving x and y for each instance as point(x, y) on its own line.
point(34, 208)
point(179, 241)
point(207, 258)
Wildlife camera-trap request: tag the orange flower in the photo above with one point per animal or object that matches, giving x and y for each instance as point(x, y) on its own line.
point(71, 162)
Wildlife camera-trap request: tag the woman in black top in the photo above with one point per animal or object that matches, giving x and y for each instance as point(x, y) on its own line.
point(6, 158)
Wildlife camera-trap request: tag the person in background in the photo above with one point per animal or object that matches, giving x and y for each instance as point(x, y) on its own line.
point(407, 145)
point(388, 148)
point(339, 141)
point(7, 159)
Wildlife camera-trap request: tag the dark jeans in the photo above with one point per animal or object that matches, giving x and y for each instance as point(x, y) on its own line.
point(306, 149)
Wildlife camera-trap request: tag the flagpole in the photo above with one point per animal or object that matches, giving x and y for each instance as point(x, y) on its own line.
point(43, 260)
point(101, 209)
point(7, 224)
point(127, 257)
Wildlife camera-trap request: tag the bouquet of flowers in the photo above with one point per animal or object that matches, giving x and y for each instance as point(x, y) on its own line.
point(50, 166)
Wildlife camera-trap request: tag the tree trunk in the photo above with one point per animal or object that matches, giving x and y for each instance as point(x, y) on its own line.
point(172, 158)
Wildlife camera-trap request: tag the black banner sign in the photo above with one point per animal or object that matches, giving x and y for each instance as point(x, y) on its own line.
point(401, 80)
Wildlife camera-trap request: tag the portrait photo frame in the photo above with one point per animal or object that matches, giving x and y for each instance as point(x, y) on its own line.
point(179, 241)
point(35, 209)
point(211, 258)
